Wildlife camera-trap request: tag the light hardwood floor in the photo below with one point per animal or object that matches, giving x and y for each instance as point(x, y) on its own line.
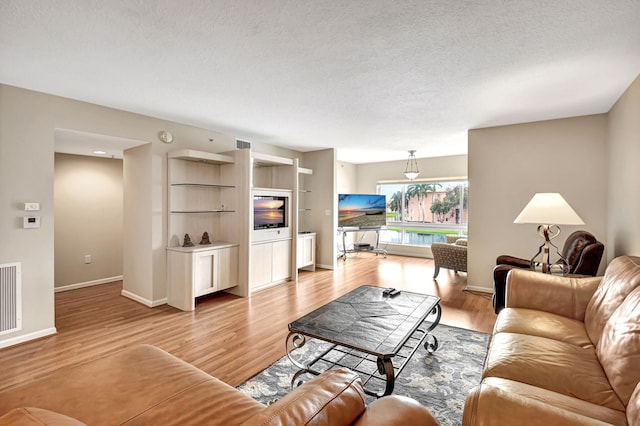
point(229, 337)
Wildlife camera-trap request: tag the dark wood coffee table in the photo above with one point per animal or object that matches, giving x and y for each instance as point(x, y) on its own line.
point(367, 330)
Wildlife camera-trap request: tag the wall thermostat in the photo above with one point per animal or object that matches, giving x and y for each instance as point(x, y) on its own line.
point(31, 222)
point(32, 206)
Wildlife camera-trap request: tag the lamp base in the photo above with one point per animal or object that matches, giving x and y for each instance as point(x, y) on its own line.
point(548, 232)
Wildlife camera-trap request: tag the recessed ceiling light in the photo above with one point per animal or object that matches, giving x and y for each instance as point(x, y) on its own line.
point(99, 152)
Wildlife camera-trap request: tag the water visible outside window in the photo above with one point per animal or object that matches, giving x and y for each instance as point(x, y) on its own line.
point(424, 213)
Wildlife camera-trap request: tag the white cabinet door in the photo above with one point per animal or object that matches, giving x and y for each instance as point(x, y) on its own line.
point(306, 251)
point(179, 281)
point(261, 264)
point(205, 272)
point(300, 252)
point(227, 268)
point(191, 274)
point(281, 260)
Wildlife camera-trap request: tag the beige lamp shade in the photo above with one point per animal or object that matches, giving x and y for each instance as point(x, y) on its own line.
point(548, 208)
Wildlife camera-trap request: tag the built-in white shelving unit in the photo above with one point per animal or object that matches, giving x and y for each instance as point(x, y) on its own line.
point(214, 193)
point(202, 197)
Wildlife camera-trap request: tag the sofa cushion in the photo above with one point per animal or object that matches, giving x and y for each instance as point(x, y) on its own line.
point(619, 347)
point(621, 278)
point(336, 398)
point(31, 416)
point(542, 324)
point(498, 401)
point(550, 364)
point(384, 412)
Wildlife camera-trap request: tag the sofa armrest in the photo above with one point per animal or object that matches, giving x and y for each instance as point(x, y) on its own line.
point(513, 261)
point(335, 397)
point(396, 410)
point(561, 295)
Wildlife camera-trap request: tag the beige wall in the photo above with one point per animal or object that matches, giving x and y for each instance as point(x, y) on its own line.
point(138, 224)
point(347, 181)
point(322, 216)
point(26, 175)
point(508, 164)
point(88, 220)
point(443, 168)
point(623, 235)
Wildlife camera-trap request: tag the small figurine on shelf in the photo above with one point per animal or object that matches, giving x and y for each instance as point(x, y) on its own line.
point(205, 239)
point(187, 241)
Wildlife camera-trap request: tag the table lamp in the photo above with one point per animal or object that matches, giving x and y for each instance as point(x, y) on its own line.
point(548, 210)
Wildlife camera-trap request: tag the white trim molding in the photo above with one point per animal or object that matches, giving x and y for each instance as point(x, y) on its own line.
point(146, 302)
point(87, 284)
point(319, 265)
point(480, 289)
point(27, 337)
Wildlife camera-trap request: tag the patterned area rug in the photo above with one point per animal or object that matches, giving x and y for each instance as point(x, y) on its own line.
point(440, 381)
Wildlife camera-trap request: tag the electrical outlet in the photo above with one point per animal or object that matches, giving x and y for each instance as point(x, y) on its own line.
point(87, 258)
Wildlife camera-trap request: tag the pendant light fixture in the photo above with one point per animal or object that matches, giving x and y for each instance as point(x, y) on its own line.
point(411, 170)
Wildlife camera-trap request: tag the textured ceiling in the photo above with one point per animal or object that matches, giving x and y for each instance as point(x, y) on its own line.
point(371, 78)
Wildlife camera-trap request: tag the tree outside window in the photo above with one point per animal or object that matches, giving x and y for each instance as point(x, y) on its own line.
point(421, 213)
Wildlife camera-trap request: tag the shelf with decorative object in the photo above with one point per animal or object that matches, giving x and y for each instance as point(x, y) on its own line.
point(202, 198)
point(200, 189)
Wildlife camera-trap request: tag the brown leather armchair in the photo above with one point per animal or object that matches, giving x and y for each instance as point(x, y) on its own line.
point(581, 251)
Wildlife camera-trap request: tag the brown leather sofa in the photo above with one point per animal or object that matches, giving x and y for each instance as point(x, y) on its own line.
point(564, 351)
point(144, 385)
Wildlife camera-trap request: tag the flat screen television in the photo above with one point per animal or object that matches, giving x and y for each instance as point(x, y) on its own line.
point(362, 210)
point(269, 211)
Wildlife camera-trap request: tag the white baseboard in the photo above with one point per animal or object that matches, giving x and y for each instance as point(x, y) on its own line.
point(26, 337)
point(146, 302)
point(411, 254)
point(319, 265)
point(480, 289)
point(87, 284)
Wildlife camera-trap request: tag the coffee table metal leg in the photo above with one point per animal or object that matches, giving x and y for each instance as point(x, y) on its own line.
point(431, 342)
point(385, 366)
point(295, 341)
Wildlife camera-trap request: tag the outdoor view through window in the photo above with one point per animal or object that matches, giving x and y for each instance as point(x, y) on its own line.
point(423, 213)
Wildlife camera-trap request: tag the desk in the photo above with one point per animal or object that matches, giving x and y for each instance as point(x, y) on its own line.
point(376, 249)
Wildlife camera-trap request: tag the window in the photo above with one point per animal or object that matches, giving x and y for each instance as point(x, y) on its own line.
point(425, 212)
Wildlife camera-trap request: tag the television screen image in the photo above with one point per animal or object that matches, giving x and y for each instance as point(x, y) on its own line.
point(362, 210)
point(269, 212)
